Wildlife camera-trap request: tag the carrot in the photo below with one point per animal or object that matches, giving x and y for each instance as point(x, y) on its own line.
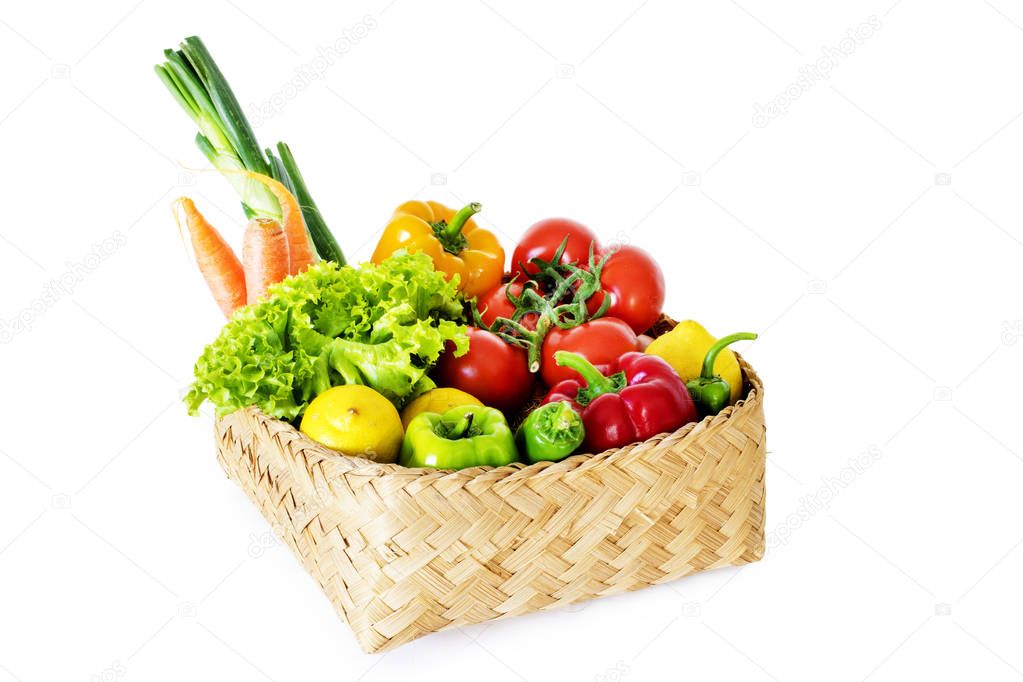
point(301, 253)
point(217, 262)
point(265, 256)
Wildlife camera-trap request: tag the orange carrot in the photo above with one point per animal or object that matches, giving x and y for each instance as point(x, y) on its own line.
point(301, 252)
point(265, 256)
point(217, 262)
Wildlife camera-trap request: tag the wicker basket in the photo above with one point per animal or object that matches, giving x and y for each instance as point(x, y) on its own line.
point(405, 552)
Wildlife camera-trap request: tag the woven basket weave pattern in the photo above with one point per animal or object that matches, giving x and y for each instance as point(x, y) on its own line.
point(405, 552)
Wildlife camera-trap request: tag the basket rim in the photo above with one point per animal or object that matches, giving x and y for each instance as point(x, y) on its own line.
point(349, 465)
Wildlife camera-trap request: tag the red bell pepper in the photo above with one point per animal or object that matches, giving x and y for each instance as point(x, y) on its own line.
point(642, 396)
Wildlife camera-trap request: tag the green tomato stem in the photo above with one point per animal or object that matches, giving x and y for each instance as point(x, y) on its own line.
point(543, 325)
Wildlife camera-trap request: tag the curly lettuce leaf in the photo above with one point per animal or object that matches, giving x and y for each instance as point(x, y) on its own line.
point(379, 325)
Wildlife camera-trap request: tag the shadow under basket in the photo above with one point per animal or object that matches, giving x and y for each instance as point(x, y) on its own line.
point(405, 552)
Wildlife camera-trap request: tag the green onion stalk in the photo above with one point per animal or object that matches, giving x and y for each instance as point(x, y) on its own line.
point(228, 142)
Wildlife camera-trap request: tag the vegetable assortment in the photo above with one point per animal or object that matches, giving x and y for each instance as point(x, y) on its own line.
point(437, 352)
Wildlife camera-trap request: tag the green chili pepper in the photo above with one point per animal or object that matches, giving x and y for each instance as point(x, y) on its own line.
point(551, 432)
point(464, 436)
point(710, 392)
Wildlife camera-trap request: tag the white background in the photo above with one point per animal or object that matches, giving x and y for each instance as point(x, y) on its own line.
point(886, 293)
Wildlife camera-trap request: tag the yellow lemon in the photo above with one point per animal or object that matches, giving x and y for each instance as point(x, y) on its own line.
point(685, 347)
point(355, 420)
point(439, 400)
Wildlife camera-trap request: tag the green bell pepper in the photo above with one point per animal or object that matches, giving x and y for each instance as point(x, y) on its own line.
point(551, 432)
point(464, 436)
point(710, 392)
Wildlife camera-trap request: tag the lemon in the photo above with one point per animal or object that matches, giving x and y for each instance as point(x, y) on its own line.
point(685, 347)
point(438, 400)
point(355, 420)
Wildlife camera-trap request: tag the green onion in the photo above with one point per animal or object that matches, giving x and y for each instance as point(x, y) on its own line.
point(323, 238)
point(228, 142)
point(225, 137)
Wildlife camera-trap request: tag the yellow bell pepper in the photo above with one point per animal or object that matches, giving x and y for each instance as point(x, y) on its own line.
point(451, 239)
point(685, 347)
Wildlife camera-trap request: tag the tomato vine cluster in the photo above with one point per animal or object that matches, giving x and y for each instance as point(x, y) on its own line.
point(564, 292)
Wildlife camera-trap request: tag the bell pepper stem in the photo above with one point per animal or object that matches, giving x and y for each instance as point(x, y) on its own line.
point(462, 428)
point(597, 383)
point(454, 228)
point(717, 347)
point(563, 417)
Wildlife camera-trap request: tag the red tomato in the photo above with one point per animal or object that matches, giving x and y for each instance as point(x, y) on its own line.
point(635, 284)
point(543, 239)
point(601, 341)
point(495, 304)
point(493, 371)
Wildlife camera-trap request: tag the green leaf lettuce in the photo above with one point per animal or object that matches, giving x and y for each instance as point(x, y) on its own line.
point(383, 326)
